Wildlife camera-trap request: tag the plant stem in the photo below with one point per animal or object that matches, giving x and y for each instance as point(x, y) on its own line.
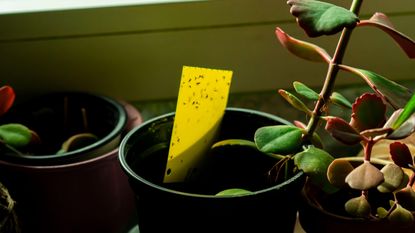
point(332, 72)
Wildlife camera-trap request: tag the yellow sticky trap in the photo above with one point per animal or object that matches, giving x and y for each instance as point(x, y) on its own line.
point(201, 103)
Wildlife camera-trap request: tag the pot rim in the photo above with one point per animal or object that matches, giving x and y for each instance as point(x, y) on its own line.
point(131, 173)
point(52, 159)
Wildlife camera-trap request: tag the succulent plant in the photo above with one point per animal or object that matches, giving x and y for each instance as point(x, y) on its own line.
point(386, 112)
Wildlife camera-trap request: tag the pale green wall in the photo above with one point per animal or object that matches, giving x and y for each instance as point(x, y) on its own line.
point(136, 52)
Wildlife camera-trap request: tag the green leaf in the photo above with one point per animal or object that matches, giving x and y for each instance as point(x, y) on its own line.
point(382, 212)
point(401, 215)
point(407, 112)
point(279, 139)
point(233, 192)
point(395, 94)
point(15, 135)
point(315, 162)
point(302, 49)
point(340, 100)
point(393, 176)
point(294, 101)
point(305, 91)
point(321, 18)
point(358, 206)
point(382, 22)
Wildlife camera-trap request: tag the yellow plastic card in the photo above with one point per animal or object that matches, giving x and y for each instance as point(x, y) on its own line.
point(201, 103)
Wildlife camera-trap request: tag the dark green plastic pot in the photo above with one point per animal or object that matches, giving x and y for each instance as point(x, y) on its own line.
point(193, 207)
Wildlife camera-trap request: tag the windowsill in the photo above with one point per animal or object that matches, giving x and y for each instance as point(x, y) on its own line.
point(28, 6)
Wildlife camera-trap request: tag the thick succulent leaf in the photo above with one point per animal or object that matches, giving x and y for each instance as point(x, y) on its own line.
point(321, 18)
point(382, 22)
point(368, 112)
point(15, 135)
point(294, 101)
point(342, 131)
point(401, 216)
point(406, 197)
point(358, 207)
point(7, 97)
point(400, 154)
point(382, 212)
point(305, 91)
point(407, 112)
point(233, 192)
point(279, 139)
point(393, 176)
point(340, 100)
point(394, 93)
point(315, 162)
point(302, 49)
point(338, 171)
point(365, 177)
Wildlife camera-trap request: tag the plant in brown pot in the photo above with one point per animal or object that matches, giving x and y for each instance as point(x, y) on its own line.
point(59, 161)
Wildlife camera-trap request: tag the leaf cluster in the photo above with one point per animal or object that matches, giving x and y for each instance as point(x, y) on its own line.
point(369, 122)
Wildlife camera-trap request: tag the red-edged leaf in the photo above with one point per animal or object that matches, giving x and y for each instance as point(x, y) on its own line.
point(342, 131)
point(321, 18)
point(7, 96)
point(400, 154)
point(368, 112)
point(382, 22)
point(302, 49)
point(394, 93)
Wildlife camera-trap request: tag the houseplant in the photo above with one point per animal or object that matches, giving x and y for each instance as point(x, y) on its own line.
point(348, 194)
point(195, 206)
point(62, 187)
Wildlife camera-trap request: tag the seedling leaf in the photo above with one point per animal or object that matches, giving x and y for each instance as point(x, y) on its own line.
point(15, 135)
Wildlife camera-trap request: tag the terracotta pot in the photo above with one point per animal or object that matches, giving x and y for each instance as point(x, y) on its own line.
point(82, 191)
point(194, 207)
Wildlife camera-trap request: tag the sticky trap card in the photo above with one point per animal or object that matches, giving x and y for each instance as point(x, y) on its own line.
point(201, 104)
